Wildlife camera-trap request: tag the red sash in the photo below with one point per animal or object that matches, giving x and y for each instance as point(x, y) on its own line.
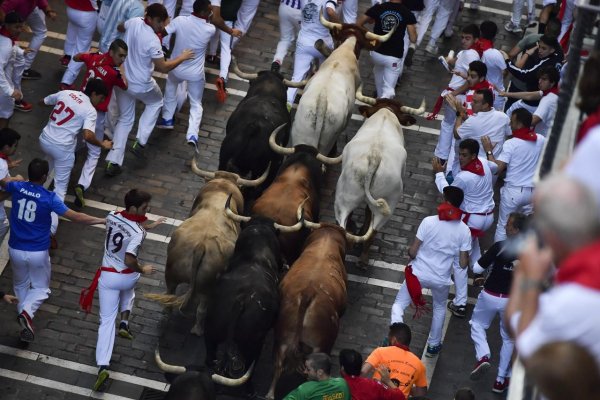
point(437, 106)
point(86, 298)
point(414, 290)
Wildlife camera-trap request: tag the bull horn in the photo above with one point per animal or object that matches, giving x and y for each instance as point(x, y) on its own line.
point(328, 24)
point(359, 239)
point(238, 72)
point(381, 38)
point(277, 148)
point(329, 160)
point(254, 182)
point(300, 216)
point(173, 369)
point(414, 111)
point(201, 172)
point(231, 214)
point(365, 99)
point(221, 380)
point(288, 229)
point(293, 84)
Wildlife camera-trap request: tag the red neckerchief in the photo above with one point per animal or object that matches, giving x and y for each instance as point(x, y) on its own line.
point(447, 212)
point(590, 122)
point(525, 134)
point(484, 84)
point(553, 89)
point(160, 36)
point(415, 291)
point(200, 16)
point(4, 157)
point(5, 32)
point(582, 267)
point(475, 166)
point(482, 45)
point(133, 217)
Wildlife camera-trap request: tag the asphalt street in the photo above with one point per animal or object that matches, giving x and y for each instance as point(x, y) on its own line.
point(60, 364)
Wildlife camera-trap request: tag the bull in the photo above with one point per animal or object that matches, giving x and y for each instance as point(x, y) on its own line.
point(373, 165)
point(201, 246)
point(313, 298)
point(298, 182)
point(328, 99)
point(245, 148)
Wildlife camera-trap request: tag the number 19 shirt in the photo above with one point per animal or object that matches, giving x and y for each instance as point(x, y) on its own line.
point(30, 215)
point(122, 236)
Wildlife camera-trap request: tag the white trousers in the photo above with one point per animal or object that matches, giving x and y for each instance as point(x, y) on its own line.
point(102, 18)
point(289, 25)
point(4, 227)
point(444, 144)
point(93, 154)
point(425, 18)
point(31, 278)
point(486, 309)
point(567, 18)
point(348, 11)
point(245, 15)
point(386, 72)
point(517, 10)
point(37, 22)
point(304, 55)
point(195, 90)
point(461, 275)
point(61, 160)
point(226, 45)
point(80, 29)
point(512, 199)
point(116, 294)
point(440, 295)
point(126, 99)
point(7, 106)
point(442, 17)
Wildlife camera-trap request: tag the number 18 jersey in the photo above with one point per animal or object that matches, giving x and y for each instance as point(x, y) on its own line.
point(73, 111)
point(122, 236)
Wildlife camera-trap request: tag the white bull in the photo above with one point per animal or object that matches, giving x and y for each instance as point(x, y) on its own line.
point(373, 165)
point(328, 99)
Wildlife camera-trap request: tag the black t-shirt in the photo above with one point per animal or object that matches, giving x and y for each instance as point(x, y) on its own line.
point(414, 5)
point(500, 277)
point(386, 16)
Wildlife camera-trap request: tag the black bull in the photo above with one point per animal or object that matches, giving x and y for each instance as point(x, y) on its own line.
point(245, 303)
point(245, 149)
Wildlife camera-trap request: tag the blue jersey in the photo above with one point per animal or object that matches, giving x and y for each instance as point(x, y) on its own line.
point(30, 215)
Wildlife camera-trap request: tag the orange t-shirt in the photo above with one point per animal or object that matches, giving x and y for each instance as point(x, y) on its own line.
point(403, 365)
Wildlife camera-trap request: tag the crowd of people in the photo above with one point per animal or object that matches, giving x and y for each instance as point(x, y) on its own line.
point(491, 136)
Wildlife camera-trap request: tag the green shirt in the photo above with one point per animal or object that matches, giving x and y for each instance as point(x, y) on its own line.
point(330, 389)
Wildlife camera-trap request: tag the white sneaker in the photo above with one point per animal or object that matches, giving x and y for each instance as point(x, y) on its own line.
point(474, 5)
point(510, 27)
point(431, 49)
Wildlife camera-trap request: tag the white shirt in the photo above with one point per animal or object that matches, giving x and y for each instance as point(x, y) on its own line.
point(579, 320)
point(478, 190)
point(193, 33)
point(442, 242)
point(122, 236)
point(495, 63)
point(463, 59)
point(493, 123)
point(144, 46)
point(546, 111)
point(3, 174)
point(311, 28)
point(583, 165)
point(73, 112)
point(521, 158)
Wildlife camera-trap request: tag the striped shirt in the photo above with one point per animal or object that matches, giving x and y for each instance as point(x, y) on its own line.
point(119, 12)
point(292, 3)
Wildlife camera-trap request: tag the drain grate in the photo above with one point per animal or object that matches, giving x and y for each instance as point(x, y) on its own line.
point(152, 394)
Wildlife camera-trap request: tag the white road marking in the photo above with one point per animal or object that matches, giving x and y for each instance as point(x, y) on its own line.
point(88, 369)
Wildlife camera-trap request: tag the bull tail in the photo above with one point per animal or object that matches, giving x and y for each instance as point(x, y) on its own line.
point(296, 349)
point(380, 203)
point(169, 300)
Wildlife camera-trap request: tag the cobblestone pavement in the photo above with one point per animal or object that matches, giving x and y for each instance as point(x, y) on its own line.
point(60, 363)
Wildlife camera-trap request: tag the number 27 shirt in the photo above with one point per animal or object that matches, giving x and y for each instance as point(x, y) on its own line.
point(30, 215)
point(73, 111)
point(122, 236)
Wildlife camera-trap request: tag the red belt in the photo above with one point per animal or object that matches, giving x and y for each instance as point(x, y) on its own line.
point(111, 269)
point(501, 295)
point(474, 231)
point(86, 297)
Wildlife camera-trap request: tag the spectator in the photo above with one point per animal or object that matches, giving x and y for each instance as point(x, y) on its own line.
point(320, 385)
point(464, 394)
point(552, 29)
point(403, 365)
point(444, 10)
point(493, 60)
point(568, 225)
point(11, 67)
point(514, 25)
point(9, 140)
point(364, 388)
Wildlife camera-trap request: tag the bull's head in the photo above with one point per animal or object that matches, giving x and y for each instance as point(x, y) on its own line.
point(221, 380)
point(238, 180)
point(282, 228)
point(255, 75)
point(402, 112)
point(349, 237)
point(364, 38)
point(291, 150)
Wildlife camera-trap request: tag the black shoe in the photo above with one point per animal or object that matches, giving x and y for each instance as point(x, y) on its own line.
point(137, 150)
point(79, 200)
point(275, 66)
point(409, 57)
point(112, 169)
point(31, 74)
point(458, 311)
point(24, 321)
point(124, 331)
point(103, 375)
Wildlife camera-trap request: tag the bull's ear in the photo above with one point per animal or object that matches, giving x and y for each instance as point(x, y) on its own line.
point(407, 120)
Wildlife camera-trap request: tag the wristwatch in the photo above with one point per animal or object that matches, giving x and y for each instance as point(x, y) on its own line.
point(488, 153)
